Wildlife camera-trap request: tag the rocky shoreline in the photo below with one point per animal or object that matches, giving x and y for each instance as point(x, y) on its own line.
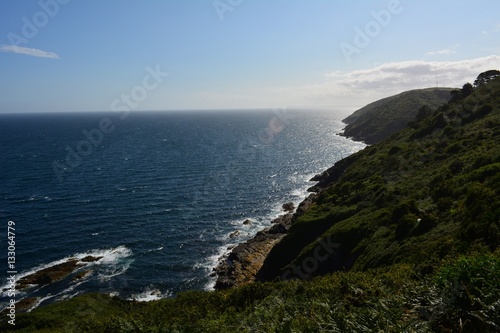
point(242, 264)
point(50, 275)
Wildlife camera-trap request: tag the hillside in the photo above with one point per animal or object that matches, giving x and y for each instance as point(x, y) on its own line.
point(409, 227)
point(424, 193)
point(387, 116)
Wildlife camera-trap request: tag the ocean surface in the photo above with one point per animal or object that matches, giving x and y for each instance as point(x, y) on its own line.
point(157, 195)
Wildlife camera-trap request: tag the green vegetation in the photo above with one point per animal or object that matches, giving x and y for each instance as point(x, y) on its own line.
point(403, 237)
point(462, 297)
point(429, 191)
point(486, 77)
point(387, 116)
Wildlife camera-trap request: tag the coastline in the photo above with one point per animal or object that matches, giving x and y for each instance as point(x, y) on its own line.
point(241, 265)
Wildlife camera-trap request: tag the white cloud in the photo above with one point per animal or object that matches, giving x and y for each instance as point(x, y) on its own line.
point(357, 88)
point(441, 52)
point(28, 51)
point(346, 91)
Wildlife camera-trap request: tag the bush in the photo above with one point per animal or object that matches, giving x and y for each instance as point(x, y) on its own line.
point(470, 295)
point(405, 226)
point(482, 214)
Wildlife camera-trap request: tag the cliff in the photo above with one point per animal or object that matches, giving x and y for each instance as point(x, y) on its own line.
point(381, 119)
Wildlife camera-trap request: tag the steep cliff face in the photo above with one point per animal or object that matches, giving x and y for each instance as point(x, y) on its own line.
point(427, 191)
point(382, 118)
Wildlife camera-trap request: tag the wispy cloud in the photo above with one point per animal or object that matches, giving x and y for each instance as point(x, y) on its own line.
point(28, 51)
point(441, 52)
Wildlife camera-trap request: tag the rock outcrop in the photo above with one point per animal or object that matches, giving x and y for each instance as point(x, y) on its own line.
point(243, 263)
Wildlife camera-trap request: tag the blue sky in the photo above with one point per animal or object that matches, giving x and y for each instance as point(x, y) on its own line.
point(83, 55)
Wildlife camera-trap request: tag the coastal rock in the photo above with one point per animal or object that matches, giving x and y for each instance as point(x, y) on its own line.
point(245, 260)
point(91, 259)
point(234, 234)
point(278, 228)
point(54, 273)
point(304, 205)
point(247, 222)
point(81, 275)
point(288, 207)
point(49, 275)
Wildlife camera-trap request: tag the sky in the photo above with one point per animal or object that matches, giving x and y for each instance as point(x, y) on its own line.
point(95, 55)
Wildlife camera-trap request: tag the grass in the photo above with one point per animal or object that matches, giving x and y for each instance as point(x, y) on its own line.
point(460, 296)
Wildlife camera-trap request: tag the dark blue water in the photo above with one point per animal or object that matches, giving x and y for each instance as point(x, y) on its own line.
point(155, 194)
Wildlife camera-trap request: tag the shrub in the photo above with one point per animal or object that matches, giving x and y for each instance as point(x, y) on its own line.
point(482, 220)
point(470, 295)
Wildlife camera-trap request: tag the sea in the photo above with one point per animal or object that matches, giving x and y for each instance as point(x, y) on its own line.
point(159, 197)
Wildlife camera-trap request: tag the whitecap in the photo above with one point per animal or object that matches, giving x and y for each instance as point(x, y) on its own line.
point(159, 249)
point(211, 262)
point(149, 294)
point(108, 257)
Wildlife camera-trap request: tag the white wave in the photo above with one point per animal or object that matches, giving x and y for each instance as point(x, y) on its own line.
point(149, 294)
point(107, 257)
point(159, 249)
point(212, 261)
point(115, 270)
